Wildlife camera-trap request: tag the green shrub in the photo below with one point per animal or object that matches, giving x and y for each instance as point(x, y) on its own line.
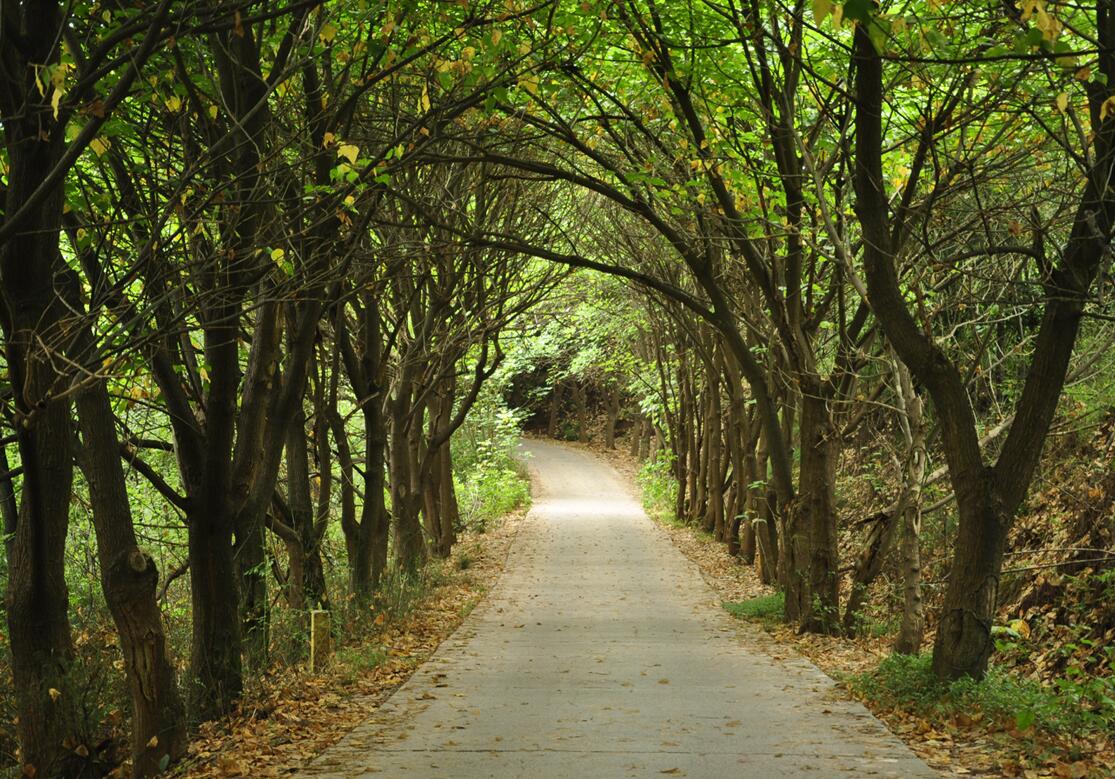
point(658, 488)
point(489, 478)
point(485, 494)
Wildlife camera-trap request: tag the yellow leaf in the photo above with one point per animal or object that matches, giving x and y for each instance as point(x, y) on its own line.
point(1108, 104)
point(1062, 102)
point(1050, 27)
point(837, 15)
point(55, 694)
point(821, 9)
point(213, 111)
point(328, 32)
point(1021, 627)
point(529, 82)
point(277, 254)
point(496, 35)
point(153, 742)
point(349, 152)
point(99, 146)
point(327, 139)
point(424, 101)
point(174, 103)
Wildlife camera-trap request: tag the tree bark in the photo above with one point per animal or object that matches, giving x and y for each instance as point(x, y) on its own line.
point(33, 321)
point(912, 423)
point(129, 578)
point(406, 500)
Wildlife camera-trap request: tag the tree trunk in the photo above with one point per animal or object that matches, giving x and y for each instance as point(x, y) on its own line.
point(32, 316)
point(366, 541)
point(215, 653)
point(371, 553)
point(818, 487)
point(868, 564)
point(555, 410)
point(580, 404)
point(37, 597)
point(913, 430)
point(440, 495)
point(910, 632)
point(750, 504)
point(636, 437)
point(129, 578)
point(963, 643)
point(9, 509)
point(301, 513)
point(714, 501)
point(406, 500)
point(613, 416)
point(698, 510)
point(450, 511)
point(250, 552)
point(764, 495)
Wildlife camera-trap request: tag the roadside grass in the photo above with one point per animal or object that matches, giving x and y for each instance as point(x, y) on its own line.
point(1002, 700)
point(350, 663)
point(768, 610)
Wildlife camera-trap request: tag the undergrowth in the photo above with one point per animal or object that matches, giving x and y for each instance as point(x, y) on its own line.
point(490, 480)
point(907, 683)
point(658, 489)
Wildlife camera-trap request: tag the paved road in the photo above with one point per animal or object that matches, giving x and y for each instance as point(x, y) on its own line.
point(602, 654)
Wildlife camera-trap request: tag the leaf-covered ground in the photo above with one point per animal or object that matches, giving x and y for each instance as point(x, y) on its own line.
point(294, 715)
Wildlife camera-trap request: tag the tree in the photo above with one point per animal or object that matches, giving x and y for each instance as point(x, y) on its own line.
point(988, 495)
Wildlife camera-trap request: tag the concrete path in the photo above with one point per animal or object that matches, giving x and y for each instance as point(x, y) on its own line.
point(601, 653)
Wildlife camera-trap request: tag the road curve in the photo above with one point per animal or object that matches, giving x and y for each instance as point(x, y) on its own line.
point(600, 654)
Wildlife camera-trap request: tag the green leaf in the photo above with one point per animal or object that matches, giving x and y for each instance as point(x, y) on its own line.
point(858, 10)
point(878, 30)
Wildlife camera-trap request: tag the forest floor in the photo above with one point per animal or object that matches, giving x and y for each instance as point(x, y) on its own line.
point(957, 744)
point(292, 715)
point(602, 653)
